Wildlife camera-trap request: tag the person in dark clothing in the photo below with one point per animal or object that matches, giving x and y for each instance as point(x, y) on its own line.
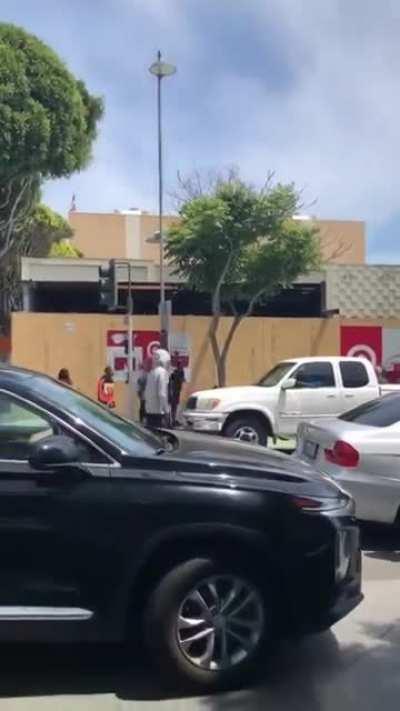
point(176, 381)
point(64, 377)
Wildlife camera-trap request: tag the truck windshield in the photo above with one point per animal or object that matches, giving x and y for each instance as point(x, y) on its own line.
point(274, 376)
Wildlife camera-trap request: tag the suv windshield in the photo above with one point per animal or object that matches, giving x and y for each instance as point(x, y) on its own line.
point(128, 436)
point(274, 376)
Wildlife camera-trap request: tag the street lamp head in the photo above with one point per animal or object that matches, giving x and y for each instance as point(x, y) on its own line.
point(161, 69)
point(154, 238)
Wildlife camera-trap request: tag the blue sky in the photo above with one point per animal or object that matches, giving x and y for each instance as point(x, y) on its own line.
point(305, 88)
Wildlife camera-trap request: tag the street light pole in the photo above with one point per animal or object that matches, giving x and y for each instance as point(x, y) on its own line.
point(160, 70)
point(163, 320)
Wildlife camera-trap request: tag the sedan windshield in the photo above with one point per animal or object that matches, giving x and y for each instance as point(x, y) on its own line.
point(126, 435)
point(274, 376)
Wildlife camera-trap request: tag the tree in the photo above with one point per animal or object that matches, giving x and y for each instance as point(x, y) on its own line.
point(48, 123)
point(42, 230)
point(65, 250)
point(18, 198)
point(240, 245)
point(48, 119)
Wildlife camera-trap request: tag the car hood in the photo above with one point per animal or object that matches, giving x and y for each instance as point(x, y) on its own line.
point(225, 462)
point(234, 393)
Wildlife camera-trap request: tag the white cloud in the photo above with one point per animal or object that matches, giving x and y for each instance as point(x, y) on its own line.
point(333, 129)
point(337, 130)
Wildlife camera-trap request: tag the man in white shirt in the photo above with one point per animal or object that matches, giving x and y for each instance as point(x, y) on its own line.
point(156, 392)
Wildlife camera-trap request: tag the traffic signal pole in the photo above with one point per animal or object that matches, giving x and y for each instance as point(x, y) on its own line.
point(108, 279)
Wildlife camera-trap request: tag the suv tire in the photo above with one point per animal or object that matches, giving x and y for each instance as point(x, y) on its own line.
point(249, 425)
point(217, 659)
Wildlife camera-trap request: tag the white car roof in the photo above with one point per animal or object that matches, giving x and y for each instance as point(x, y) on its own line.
point(324, 359)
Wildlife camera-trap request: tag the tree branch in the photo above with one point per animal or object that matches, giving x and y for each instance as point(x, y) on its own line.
point(237, 320)
point(216, 299)
point(13, 223)
point(253, 302)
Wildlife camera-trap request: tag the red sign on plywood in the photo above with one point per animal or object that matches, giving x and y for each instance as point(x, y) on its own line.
point(143, 345)
point(362, 342)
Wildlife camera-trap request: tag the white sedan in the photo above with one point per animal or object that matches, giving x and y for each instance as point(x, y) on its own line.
point(361, 451)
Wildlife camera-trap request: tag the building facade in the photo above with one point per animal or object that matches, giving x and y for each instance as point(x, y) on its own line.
point(125, 235)
point(62, 285)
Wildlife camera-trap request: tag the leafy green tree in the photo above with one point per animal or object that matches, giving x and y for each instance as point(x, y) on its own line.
point(240, 245)
point(65, 250)
point(48, 123)
point(48, 119)
point(42, 231)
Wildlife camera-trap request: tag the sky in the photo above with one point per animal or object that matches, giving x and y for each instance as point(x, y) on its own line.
point(308, 89)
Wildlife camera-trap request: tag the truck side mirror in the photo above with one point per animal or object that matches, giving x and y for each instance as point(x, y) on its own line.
point(289, 384)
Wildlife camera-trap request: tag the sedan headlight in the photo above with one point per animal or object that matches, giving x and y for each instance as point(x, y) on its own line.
point(207, 404)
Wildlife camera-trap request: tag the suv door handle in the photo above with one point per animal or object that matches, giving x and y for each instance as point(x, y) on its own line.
point(348, 396)
point(330, 397)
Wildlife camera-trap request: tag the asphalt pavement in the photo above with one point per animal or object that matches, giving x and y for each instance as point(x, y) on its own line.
point(354, 665)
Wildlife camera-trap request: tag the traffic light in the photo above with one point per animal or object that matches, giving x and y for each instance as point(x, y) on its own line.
point(108, 286)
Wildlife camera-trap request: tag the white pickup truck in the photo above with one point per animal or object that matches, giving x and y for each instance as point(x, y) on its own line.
point(294, 391)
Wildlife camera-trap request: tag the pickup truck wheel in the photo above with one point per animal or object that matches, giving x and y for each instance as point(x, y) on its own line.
point(247, 429)
point(207, 623)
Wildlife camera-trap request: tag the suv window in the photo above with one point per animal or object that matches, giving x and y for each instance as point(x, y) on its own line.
point(21, 425)
point(376, 413)
point(354, 375)
point(315, 375)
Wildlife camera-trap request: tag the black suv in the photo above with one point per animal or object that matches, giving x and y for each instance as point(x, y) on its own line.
point(206, 549)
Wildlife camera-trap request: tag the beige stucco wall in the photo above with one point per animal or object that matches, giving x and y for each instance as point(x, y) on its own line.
point(98, 235)
point(342, 241)
point(124, 235)
point(149, 224)
point(78, 342)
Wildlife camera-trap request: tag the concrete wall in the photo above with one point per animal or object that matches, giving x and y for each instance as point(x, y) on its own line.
point(48, 342)
point(364, 291)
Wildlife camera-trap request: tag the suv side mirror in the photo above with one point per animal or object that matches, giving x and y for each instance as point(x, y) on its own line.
point(55, 451)
point(289, 384)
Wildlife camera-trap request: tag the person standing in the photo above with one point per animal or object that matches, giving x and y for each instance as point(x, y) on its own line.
point(175, 388)
point(64, 377)
point(141, 388)
point(105, 388)
point(156, 391)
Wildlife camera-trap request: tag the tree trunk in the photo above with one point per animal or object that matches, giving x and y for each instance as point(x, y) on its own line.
point(221, 355)
point(221, 371)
